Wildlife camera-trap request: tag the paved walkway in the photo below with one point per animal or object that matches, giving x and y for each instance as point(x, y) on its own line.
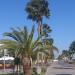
point(60, 68)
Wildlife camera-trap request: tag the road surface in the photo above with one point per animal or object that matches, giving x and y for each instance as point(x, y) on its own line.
point(60, 68)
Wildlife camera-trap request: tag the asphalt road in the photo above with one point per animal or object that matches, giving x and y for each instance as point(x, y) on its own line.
point(56, 68)
point(60, 68)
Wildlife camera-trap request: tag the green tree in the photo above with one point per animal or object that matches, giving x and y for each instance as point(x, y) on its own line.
point(23, 44)
point(72, 48)
point(36, 9)
point(65, 53)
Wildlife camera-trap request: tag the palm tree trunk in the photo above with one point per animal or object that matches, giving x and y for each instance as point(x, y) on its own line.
point(39, 26)
point(26, 66)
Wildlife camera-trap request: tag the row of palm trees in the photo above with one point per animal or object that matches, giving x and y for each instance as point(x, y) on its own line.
point(21, 41)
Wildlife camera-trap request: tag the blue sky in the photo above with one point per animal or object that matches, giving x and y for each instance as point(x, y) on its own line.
point(62, 20)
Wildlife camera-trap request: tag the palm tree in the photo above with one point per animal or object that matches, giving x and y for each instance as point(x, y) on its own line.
point(36, 9)
point(50, 48)
point(23, 44)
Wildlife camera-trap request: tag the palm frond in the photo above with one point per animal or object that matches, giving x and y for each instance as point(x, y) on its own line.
point(37, 8)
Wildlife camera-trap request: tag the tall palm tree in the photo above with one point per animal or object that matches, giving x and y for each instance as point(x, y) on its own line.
point(36, 9)
point(23, 44)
